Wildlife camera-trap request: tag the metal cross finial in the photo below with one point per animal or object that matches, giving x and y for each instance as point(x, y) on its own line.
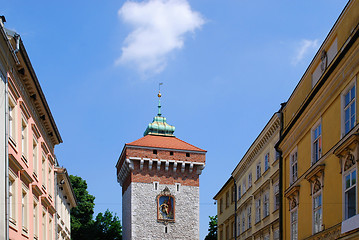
point(159, 99)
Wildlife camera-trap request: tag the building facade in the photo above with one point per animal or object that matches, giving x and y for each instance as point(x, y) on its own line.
point(225, 199)
point(159, 175)
point(319, 141)
point(257, 181)
point(27, 161)
point(248, 204)
point(65, 200)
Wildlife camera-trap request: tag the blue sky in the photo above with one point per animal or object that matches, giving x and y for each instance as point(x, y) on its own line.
point(226, 67)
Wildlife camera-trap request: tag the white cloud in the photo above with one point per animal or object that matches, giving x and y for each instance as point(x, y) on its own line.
point(159, 27)
point(305, 47)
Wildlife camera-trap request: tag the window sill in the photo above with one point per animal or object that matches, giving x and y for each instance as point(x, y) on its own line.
point(24, 159)
point(275, 210)
point(258, 179)
point(266, 171)
point(12, 223)
point(12, 143)
point(350, 224)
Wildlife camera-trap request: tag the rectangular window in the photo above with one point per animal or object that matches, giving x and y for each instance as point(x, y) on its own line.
point(349, 109)
point(221, 235)
point(44, 226)
point(155, 186)
point(276, 196)
point(178, 187)
point(34, 155)
point(293, 166)
point(317, 213)
point(276, 234)
point(266, 237)
point(227, 232)
point(24, 138)
point(266, 204)
point(294, 224)
point(12, 200)
point(249, 180)
point(244, 186)
point(258, 209)
point(249, 216)
point(12, 120)
point(227, 199)
point(243, 221)
point(233, 230)
point(238, 224)
point(233, 196)
point(266, 162)
point(350, 193)
point(24, 211)
point(49, 181)
point(221, 205)
point(259, 170)
point(239, 192)
point(43, 170)
point(36, 220)
point(277, 155)
point(317, 143)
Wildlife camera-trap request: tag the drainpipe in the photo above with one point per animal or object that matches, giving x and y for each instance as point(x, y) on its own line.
point(7, 202)
point(280, 114)
point(55, 183)
point(235, 208)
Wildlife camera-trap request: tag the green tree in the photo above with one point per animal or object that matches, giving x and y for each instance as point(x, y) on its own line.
point(212, 229)
point(81, 216)
point(107, 226)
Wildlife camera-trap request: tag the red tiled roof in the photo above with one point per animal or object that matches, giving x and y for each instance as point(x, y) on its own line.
point(156, 141)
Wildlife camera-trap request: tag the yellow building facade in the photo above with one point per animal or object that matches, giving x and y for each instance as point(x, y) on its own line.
point(319, 140)
point(225, 211)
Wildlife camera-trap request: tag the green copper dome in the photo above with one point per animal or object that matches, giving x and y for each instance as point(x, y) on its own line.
point(159, 126)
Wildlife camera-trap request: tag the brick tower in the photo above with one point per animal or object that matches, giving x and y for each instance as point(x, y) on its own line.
point(159, 175)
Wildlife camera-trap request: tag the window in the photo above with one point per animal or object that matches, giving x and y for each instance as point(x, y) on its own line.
point(243, 221)
point(244, 186)
point(155, 185)
point(171, 153)
point(34, 155)
point(36, 224)
point(233, 229)
point(49, 180)
point(277, 155)
point(12, 200)
point(188, 155)
point(249, 180)
point(317, 212)
point(258, 209)
point(294, 224)
point(276, 196)
point(316, 143)
point(154, 151)
point(266, 162)
point(12, 119)
point(266, 204)
point(350, 193)
point(238, 224)
point(50, 228)
point(266, 237)
point(233, 196)
point(43, 171)
point(227, 199)
point(259, 170)
point(178, 187)
point(24, 138)
point(221, 205)
point(24, 211)
point(221, 235)
point(348, 109)
point(44, 225)
point(276, 234)
point(293, 166)
point(239, 192)
point(249, 215)
point(227, 232)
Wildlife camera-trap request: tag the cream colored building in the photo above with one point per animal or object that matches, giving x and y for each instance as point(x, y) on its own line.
point(257, 181)
point(65, 200)
point(254, 184)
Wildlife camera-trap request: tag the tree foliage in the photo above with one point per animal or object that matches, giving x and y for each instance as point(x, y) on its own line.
point(212, 229)
point(83, 227)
